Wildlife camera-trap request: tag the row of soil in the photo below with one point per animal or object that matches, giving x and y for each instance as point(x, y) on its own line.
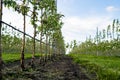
point(61, 68)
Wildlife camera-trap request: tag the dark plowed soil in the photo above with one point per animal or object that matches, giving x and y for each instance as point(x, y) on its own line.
point(57, 69)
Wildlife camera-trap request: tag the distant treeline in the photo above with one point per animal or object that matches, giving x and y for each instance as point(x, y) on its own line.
point(106, 42)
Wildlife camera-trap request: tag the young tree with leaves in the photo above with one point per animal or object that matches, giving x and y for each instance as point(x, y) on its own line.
point(23, 9)
point(113, 28)
point(34, 19)
point(24, 13)
point(41, 7)
point(103, 34)
point(109, 36)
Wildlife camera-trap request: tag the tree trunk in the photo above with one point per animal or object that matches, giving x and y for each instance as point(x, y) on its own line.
point(0, 40)
point(33, 56)
point(34, 25)
point(41, 34)
point(23, 43)
point(49, 49)
point(54, 47)
point(46, 46)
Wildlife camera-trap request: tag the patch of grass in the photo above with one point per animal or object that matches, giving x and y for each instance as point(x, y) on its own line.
point(105, 68)
point(9, 57)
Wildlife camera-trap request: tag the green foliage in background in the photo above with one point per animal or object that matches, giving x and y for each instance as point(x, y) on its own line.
point(106, 42)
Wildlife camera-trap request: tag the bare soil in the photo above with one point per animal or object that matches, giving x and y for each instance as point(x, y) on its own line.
point(61, 68)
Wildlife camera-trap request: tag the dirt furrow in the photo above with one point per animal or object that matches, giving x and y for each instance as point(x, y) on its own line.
point(58, 69)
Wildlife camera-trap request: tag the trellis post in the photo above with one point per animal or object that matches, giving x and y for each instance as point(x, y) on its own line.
point(0, 39)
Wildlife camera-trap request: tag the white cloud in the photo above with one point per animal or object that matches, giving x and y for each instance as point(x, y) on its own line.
point(76, 28)
point(111, 9)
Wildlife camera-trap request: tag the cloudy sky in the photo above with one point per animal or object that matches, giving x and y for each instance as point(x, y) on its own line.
point(81, 17)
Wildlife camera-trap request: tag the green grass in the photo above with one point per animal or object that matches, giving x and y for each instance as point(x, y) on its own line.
point(9, 57)
point(106, 68)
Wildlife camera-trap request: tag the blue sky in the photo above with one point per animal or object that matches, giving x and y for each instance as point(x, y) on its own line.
point(85, 7)
point(81, 17)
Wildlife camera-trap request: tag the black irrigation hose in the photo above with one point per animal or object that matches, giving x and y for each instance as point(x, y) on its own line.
point(20, 31)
